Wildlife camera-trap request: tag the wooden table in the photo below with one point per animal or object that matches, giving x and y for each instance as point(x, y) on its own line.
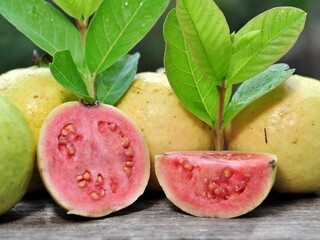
point(154, 217)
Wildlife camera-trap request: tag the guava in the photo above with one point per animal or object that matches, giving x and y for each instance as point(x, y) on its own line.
point(285, 122)
point(163, 120)
point(93, 160)
point(220, 184)
point(35, 92)
point(17, 152)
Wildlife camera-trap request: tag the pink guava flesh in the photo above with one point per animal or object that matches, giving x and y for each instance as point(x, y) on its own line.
point(93, 160)
point(216, 184)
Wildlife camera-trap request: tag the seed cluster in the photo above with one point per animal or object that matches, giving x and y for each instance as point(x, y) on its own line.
point(67, 137)
point(227, 183)
point(95, 185)
point(96, 190)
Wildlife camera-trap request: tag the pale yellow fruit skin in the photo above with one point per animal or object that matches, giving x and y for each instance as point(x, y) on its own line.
point(164, 122)
point(35, 92)
point(285, 122)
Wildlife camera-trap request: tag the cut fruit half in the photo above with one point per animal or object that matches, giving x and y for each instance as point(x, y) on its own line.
point(93, 159)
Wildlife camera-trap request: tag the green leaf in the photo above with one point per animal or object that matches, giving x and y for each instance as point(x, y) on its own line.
point(66, 73)
point(267, 38)
point(117, 27)
point(79, 8)
point(44, 25)
point(90, 7)
point(198, 95)
point(112, 83)
point(207, 34)
point(244, 40)
point(255, 88)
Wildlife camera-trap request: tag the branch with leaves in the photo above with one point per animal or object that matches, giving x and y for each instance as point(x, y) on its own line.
point(90, 57)
point(203, 60)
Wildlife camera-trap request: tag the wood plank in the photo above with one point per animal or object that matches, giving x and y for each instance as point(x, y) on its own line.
point(154, 217)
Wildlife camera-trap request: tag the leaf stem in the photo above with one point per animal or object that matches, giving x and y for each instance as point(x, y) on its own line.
point(82, 26)
point(89, 78)
point(219, 136)
point(90, 83)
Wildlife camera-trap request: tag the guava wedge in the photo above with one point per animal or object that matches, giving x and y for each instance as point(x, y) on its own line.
point(17, 151)
point(221, 184)
point(93, 160)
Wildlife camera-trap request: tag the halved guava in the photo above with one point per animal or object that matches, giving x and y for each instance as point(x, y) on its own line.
point(216, 184)
point(93, 160)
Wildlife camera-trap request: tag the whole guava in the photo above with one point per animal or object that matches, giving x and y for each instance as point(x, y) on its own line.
point(165, 123)
point(17, 152)
point(286, 122)
point(35, 92)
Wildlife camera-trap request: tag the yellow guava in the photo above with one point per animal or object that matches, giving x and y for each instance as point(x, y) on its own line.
point(17, 151)
point(163, 120)
point(286, 122)
point(35, 92)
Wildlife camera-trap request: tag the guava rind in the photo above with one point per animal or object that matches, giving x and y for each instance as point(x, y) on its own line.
point(187, 179)
point(165, 123)
point(284, 122)
point(35, 92)
point(16, 155)
point(95, 153)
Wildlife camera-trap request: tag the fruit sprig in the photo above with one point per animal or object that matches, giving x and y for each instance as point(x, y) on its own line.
point(90, 57)
point(203, 60)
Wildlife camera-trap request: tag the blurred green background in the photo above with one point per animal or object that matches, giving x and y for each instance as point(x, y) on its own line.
point(16, 50)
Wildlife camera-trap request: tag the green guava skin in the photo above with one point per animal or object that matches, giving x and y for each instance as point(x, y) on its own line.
point(165, 123)
point(35, 92)
point(17, 152)
point(285, 122)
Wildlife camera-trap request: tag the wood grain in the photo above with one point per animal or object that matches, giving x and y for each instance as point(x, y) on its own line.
point(154, 217)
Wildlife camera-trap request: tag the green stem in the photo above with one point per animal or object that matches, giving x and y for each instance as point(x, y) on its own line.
point(219, 137)
point(82, 26)
point(88, 78)
point(90, 83)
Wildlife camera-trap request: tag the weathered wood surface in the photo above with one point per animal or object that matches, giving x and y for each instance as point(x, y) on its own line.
point(154, 217)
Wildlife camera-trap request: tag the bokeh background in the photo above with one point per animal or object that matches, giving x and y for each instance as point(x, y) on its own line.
point(16, 50)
